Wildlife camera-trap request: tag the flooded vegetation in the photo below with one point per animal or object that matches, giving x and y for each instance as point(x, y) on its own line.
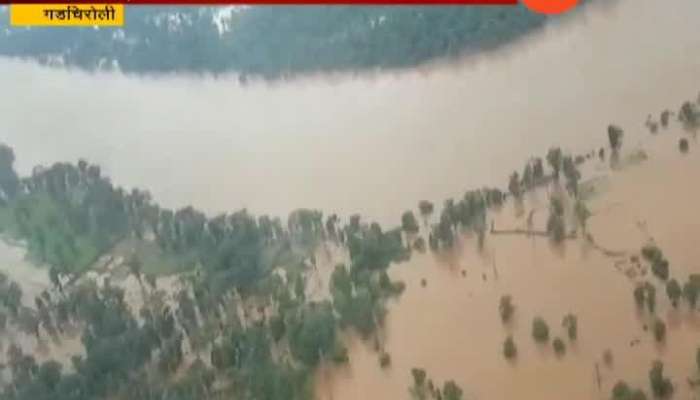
point(544, 248)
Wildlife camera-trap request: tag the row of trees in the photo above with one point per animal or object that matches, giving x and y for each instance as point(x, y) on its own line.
point(661, 386)
point(276, 42)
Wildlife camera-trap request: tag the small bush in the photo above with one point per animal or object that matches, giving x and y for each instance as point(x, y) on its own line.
point(540, 330)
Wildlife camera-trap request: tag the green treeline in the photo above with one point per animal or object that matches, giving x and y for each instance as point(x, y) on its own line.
point(275, 42)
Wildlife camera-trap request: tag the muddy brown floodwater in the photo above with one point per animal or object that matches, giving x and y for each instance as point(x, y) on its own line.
point(377, 145)
point(452, 327)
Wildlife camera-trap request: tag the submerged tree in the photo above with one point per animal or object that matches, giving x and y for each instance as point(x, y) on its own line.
point(426, 209)
point(661, 386)
point(540, 330)
point(659, 330)
point(554, 158)
point(615, 134)
point(409, 223)
point(506, 308)
point(570, 323)
point(559, 346)
point(510, 351)
point(451, 391)
point(674, 291)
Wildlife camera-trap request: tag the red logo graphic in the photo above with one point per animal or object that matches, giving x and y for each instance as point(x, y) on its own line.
point(550, 6)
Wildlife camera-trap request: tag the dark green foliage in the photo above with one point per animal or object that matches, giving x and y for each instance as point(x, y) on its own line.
point(674, 291)
point(664, 118)
point(340, 354)
point(556, 226)
point(419, 376)
point(312, 333)
point(621, 391)
point(689, 116)
point(506, 308)
point(570, 323)
point(639, 295)
point(385, 360)
point(660, 269)
point(540, 330)
point(659, 330)
point(554, 159)
point(615, 134)
point(451, 391)
point(510, 351)
point(426, 208)
point(275, 42)
point(559, 346)
point(9, 181)
point(691, 290)
point(514, 185)
point(650, 297)
point(409, 223)
point(661, 386)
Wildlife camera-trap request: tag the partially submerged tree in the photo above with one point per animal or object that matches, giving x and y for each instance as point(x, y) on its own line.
point(506, 308)
point(510, 351)
point(540, 330)
point(661, 386)
point(674, 291)
point(570, 323)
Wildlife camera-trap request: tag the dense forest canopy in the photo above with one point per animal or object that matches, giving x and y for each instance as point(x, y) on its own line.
point(273, 42)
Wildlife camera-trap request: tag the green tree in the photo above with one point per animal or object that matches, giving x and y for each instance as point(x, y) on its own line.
point(650, 297)
point(514, 185)
point(409, 223)
point(615, 134)
point(451, 391)
point(659, 330)
point(506, 308)
point(554, 157)
point(621, 391)
point(540, 330)
point(582, 213)
point(570, 323)
point(385, 360)
point(559, 346)
point(639, 295)
point(510, 351)
point(661, 386)
point(674, 291)
point(426, 209)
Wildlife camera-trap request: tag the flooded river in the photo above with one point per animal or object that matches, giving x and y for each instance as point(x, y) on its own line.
point(379, 144)
point(375, 144)
point(452, 327)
